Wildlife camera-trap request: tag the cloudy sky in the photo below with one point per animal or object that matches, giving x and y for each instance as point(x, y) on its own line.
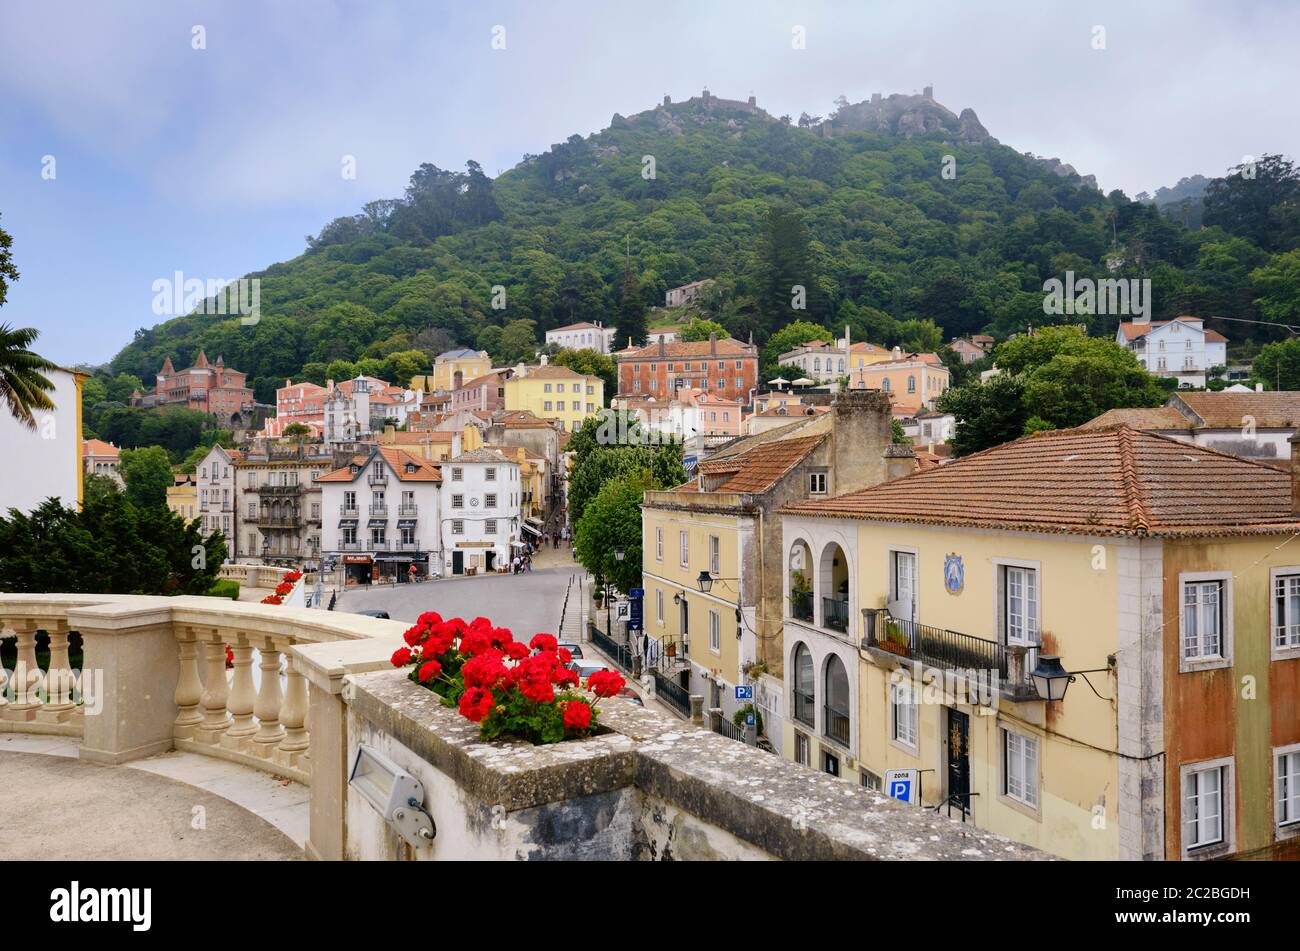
point(215, 162)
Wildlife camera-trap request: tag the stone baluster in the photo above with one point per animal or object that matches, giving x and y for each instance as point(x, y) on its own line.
point(27, 677)
point(269, 700)
point(215, 692)
point(189, 685)
point(243, 695)
point(293, 714)
point(58, 681)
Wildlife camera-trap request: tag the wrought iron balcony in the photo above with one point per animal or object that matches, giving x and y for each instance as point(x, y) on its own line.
point(293, 489)
point(348, 511)
point(951, 650)
point(377, 478)
point(408, 510)
point(835, 614)
point(835, 725)
point(379, 511)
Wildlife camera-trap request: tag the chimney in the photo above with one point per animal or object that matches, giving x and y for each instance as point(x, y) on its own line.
point(713, 343)
point(329, 385)
point(663, 349)
point(861, 436)
point(900, 460)
point(1259, 387)
point(1295, 474)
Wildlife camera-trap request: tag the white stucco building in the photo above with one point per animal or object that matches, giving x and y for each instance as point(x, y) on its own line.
point(218, 495)
point(1181, 348)
point(381, 515)
point(481, 497)
point(583, 336)
point(47, 461)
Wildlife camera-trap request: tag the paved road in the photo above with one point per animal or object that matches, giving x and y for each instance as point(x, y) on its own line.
point(525, 603)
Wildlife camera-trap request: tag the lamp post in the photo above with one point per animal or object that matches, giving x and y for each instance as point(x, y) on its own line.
point(1052, 680)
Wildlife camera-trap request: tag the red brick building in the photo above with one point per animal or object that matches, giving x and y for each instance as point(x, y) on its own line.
point(726, 368)
point(207, 387)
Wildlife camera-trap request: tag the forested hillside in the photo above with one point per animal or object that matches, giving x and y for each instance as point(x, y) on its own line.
point(885, 229)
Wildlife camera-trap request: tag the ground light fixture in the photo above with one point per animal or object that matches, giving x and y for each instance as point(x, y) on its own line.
point(1051, 679)
point(396, 795)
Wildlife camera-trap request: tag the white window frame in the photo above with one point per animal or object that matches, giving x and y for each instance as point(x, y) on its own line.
point(802, 748)
point(1224, 657)
point(1287, 819)
point(684, 543)
point(715, 555)
point(912, 720)
point(1288, 646)
point(715, 632)
point(817, 483)
point(1029, 757)
point(659, 543)
point(659, 606)
point(1227, 843)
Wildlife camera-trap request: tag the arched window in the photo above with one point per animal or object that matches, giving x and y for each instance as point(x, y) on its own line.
point(835, 723)
point(833, 582)
point(801, 575)
point(803, 685)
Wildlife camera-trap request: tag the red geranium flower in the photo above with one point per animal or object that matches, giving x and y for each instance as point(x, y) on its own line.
point(429, 670)
point(429, 618)
point(272, 599)
point(565, 655)
point(475, 642)
point(401, 657)
point(577, 715)
point(542, 642)
point(605, 683)
point(415, 635)
point(516, 651)
point(484, 670)
point(539, 691)
point(566, 677)
point(476, 703)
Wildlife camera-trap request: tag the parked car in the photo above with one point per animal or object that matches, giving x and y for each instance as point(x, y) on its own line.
point(631, 696)
point(379, 614)
point(585, 668)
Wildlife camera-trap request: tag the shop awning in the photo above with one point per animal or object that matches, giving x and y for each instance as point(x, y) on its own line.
point(347, 521)
point(529, 528)
point(378, 522)
point(406, 523)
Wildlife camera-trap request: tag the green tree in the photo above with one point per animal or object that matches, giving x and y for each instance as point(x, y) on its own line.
point(630, 325)
point(603, 463)
point(1278, 285)
point(591, 362)
point(1259, 201)
point(1278, 365)
point(786, 275)
point(1071, 389)
point(786, 339)
point(8, 271)
point(613, 520)
point(988, 414)
point(147, 472)
point(24, 388)
point(699, 329)
point(110, 546)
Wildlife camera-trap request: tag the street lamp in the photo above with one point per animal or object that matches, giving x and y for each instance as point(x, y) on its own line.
point(1052, 680)
point(619, 553)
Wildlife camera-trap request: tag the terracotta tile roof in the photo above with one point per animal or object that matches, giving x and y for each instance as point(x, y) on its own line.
point(520, 419)
point(550, 372)
point(1132, 331)
point(421, 438)
point(761, 467)
point(1273, 410)
point(398, 460)
point(97, 447)
point(793, 411)
point(1114, 481)
point(482, 455)
point(1162, 417)
point(482, 381)
point(690, 349)
point(580, 325)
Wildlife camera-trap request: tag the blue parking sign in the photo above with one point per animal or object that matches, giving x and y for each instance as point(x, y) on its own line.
point(745, 692)
point(749, 719)
point(901, 784)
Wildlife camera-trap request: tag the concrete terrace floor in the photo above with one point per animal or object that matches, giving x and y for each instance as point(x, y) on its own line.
point(174, 806)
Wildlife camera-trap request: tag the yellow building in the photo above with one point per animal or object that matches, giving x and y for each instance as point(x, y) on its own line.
point(711, 565)
point(433, 445)
point(183, 496)
point(555, 392)
point(917, 610)
point(453, 369)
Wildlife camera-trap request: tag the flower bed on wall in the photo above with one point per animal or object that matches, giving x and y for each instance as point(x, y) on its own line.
point(284, 588)
point(508, 688)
